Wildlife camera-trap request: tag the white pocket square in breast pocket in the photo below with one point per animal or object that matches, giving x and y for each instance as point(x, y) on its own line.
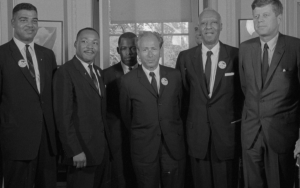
point(229, 74)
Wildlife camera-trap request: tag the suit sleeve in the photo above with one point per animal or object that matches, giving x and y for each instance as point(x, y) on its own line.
point(63, 109)
point(180, 65)
point(184, 102)
point(241, 70)
point(125, 104)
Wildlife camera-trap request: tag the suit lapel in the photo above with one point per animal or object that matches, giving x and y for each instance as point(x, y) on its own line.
point(41, 64)
point(256, 62)
point(17, 56)
point(84, 73)
point(223, 56)
point(279, 51)
point(198, 66)
point(144, 80)
point(119, 70)
point(163, 74)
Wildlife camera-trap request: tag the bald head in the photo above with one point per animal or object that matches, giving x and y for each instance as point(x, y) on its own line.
point(210, 11)
point(210, 26)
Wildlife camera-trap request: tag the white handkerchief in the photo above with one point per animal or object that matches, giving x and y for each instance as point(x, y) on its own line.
point(229, 74)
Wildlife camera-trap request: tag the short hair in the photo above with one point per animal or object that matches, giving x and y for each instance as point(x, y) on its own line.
point(23, 6)
point(87, 28)
point(210, 9)
point(147, 33)
point(277, 5)
point(127, 35)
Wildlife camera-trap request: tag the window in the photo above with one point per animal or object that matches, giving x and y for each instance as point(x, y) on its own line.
point(175, 35)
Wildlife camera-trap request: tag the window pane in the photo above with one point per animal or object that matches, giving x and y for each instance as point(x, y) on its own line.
point(172, 46)
point(176, 27)
point(121, 28)
point(148, 27)
point(114, 56)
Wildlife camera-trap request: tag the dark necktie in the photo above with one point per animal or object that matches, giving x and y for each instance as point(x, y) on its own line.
point(265, 64)
point(94, 78)
point(129, 69)
point(30, 62)
point(153, 81)
point(208, 69)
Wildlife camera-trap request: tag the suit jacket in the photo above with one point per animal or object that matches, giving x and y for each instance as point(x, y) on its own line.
point(23, 110)
point(275, 108)
point(80, 112)
point(150, 117)
point(213, 117)
point(117, 128)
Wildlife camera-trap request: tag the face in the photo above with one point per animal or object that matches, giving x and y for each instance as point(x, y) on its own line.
point(127, 51)
point(149, 52)
point(87, 46)
point(210, 27)
point(25, 23)
point(198, 36)
point(266, 23)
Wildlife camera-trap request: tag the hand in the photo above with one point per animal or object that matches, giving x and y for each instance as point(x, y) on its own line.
point(297, 148)
point(79, 160)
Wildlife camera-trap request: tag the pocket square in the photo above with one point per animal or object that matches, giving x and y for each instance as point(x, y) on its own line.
point(229, 74)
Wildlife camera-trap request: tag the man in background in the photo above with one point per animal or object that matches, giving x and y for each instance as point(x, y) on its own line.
point(80, 114)
point(122, 172)
point(211, 82)
point(198, 37)
point(28, 140)
point(269, 71)
point(150, 98)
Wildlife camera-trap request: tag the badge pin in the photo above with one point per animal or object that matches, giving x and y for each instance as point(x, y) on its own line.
point(164, 81)
point(22, 63)
point(222, 65)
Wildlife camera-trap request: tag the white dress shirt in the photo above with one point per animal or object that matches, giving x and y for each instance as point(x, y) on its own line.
point(271, 44)
point(214, 63)
point(157, 76)
point(86, 66)
point(22, 48)
point(126, 68)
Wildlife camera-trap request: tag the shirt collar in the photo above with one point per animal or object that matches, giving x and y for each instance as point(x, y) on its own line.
point(214, 50)
point(86, 65)
point(126, 68)
point(21, 45)
point(271, 44)
point(156, 71)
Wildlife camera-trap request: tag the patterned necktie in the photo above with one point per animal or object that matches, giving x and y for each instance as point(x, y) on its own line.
point(208, 69)
point(265, 64)
point(94, 78)
point(30, 62)
point(153, 82)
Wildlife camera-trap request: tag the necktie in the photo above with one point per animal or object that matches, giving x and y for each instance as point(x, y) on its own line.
point(30, 62)
point(153, 81)
point(208, 69)
point(130, 69)
point(94, 78)
point(265, 64)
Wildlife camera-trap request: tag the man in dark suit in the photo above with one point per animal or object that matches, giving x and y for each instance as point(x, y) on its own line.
point(80, 111)
point(211, 81)
point(269, 71)
point(27, 127)
point(150, 108)
point(122, 171)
